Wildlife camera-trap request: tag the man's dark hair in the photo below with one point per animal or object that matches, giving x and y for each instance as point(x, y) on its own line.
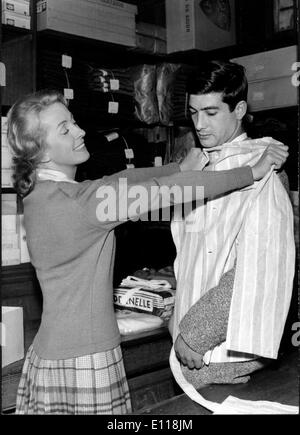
point(220, 76)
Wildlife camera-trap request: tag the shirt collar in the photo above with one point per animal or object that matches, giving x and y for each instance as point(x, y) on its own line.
point(50, 174)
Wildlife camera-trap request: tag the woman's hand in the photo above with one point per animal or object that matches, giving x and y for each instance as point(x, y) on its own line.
point(274, 155)
point(192, 160)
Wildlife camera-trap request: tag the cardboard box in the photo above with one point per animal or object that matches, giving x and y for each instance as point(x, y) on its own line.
point(3, 124)
point(6, 178)
point(12, 339)
point(272, 94)
point(4, 140)
point(81, 10)
point(68, 26)
point(6, 158)
point(16, 6)
point(11, 256)
point(194, 24)
point(269, 64)
point(16, 20)
point(9, 223)
point(87, 19)
point(51, 18)
point(9, 204)
point(115, 4)
point(10, 241)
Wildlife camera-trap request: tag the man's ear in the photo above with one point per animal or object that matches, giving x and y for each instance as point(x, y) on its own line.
point(240, 110)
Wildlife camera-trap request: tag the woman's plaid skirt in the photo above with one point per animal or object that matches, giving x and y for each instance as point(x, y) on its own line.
point(89, 384)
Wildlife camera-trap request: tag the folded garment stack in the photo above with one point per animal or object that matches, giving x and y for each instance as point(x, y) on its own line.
point(153, 297)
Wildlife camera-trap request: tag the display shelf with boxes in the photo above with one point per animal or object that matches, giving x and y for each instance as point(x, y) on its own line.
point(270, 78)
point(14, 245)
point(102, 20)
point(6, 158)
point(17, 21)
point(18, 52)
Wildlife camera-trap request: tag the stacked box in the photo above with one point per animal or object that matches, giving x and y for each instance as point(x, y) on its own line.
point(14, 245)
point(270, 77)
point(194, 24)
point(6, 158)
point(16, 13)
point(10, 237)
point(12, 335)
point(110, 21)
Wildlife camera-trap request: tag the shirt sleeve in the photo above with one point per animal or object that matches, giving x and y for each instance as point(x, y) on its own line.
point(111, 201)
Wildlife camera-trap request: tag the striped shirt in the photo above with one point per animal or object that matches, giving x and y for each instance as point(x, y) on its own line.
point(254, 227)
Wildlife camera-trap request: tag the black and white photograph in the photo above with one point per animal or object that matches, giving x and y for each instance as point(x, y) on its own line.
point(149, 210)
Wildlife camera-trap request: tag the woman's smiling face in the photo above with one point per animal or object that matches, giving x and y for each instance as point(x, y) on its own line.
point(64, 139)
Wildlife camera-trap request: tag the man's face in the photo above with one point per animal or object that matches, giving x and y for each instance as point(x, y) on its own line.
point(214, 122)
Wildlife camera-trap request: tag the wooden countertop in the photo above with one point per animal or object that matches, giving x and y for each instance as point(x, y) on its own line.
point(279, 383)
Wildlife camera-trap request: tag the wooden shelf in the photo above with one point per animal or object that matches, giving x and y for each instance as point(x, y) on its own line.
point(111, 53)
point(7, 190)
point(13, 32)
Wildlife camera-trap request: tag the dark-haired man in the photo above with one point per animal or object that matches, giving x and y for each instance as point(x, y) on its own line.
point(235, 254)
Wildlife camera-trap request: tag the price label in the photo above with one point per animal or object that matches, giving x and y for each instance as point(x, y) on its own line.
point(112, 136)
point(113, 107)
point(157, 161)
point(114, 85)
point(69, 94)
point(66, 61)
point(129, 153)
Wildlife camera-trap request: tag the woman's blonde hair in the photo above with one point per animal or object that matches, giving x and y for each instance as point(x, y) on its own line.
point(26, 136)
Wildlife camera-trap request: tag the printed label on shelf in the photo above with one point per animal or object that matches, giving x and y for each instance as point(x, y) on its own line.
point(114, 85)
point(69, 94)
point(112, 136)
point(157, 161)
point(66, 61)
point(113, 107)
point(129, 153)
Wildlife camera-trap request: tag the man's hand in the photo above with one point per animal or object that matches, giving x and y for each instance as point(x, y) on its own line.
point(275, 154)
point(192, 160)
point(186, 355)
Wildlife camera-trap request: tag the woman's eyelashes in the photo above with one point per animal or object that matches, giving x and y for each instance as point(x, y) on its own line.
point(66, 130)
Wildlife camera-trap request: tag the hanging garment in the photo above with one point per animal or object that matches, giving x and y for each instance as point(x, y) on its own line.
point(254, 227)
